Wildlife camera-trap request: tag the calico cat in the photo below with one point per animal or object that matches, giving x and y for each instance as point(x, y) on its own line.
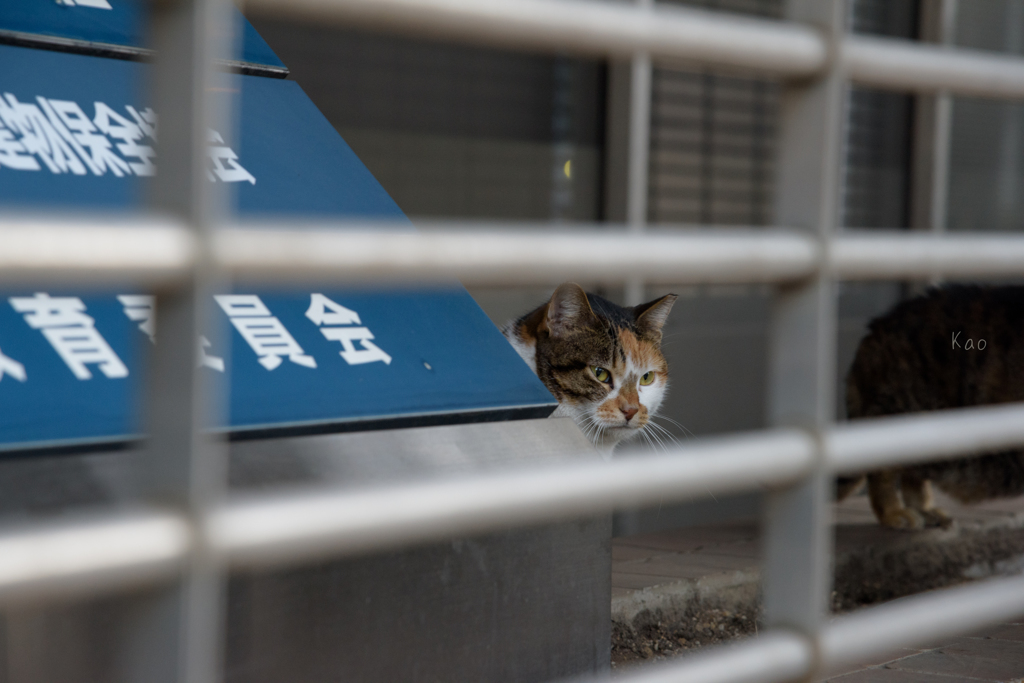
point(917, 358)
point(601, 361)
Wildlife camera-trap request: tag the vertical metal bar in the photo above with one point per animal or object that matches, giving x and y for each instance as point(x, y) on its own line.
point(940, 162)
point(182, 467)
point(933, 122)
point(178, 631)
point(943, 126)
point(797, 530)
point(637, 165)
point(639, 149)
point(1010, 134)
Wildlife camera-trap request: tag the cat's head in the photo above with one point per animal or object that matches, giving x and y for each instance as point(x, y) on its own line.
point(603, 362)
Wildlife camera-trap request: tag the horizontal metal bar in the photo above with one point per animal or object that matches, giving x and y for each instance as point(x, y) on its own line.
point(148, 250)
point(91, 554)
point(863, 445)
point(582, 26)
point(154, 251)
point(923, 67)
point(99, 553)
point(772, 657)
point(285, 529)
point(871, 255)
point(918, 620)
point(482, 256)
point(706, 38)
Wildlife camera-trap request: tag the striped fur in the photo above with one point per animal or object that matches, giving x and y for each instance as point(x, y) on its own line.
point(918, 358)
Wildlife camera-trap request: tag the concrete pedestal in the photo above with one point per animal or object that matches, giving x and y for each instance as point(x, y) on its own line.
point(529, 604)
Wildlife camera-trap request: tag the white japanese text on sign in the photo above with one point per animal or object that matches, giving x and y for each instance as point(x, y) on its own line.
point(60, 136)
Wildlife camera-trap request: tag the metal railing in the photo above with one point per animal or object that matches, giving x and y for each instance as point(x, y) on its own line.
point(164, 252)
point(197, 534)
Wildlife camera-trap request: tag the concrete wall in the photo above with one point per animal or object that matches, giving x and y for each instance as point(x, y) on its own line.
point(527, 604)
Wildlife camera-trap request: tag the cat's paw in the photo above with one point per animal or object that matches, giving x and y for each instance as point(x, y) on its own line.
point(902, 518)
point(937, 517)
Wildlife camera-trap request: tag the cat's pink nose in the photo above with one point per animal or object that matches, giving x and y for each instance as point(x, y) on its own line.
point(629, 412)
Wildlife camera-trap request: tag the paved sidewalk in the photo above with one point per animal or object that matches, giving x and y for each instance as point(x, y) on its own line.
point(996, 655)
point(672, 574)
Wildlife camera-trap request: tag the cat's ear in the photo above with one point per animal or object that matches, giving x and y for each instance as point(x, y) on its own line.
point(568, 310)
point(651, 316)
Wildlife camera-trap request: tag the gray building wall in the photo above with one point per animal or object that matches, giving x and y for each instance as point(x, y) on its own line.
point(987, 155)
point(454, 130)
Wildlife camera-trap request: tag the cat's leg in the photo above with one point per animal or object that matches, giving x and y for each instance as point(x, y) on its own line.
point(917, 495)
point(885, 501)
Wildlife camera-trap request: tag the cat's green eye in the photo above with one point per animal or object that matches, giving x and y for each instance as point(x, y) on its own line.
point(647, 378)
point(602, 375)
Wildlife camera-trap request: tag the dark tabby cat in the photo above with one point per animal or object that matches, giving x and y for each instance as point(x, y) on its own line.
point(953, 347)
point(602, 362)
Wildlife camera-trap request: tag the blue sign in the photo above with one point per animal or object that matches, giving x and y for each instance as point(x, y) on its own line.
point(76, 134)
point(119, 23)
point(72, 367)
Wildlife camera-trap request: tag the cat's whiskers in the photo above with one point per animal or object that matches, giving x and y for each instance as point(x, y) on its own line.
point(669, 435)
point(677, 424)
point(656, 439)
point(591, 426)
point(588, 425)
point(597, 422)
point(647, 438)
point(661, 442)
point(650, 439)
